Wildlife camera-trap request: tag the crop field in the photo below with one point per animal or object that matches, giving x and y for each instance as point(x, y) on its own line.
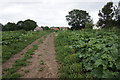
point(24, 61)
point(88, 54)
point(14, 41)
point(80, 54)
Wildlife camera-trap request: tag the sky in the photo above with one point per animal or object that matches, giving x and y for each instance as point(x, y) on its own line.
point(48, 12)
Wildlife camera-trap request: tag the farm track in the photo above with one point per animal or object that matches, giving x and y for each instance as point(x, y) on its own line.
point(11, 60)
point(46, 54)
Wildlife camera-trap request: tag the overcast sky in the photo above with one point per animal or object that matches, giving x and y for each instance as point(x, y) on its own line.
point(47, 12)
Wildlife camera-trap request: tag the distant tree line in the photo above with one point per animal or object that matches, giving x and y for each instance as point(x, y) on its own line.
point(45, 28)
point(21, 25)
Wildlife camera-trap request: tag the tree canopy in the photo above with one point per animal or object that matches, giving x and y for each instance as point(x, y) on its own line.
point(9, 27)
point(1, 25)
point(78, 19)
point(21, 25)
point(117, 14)
point(45, 28)
point(29, 25)
point(109, 16)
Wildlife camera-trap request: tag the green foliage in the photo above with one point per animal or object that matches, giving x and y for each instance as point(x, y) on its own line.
point(14, 41)
point(40, 41)
point(26, 71)
point(20, 62)
point(40, 69)
point(45, 28)
point(15, 75)
point(75, 68)
point(29, 25)
point(118, 22)
point(9, 27)
point(11, 72)
point(21, 25)
point(41, 62)
point(88, 53)
point(78, 19)
point(72, 58)
point(89, 25)
point(109, 16)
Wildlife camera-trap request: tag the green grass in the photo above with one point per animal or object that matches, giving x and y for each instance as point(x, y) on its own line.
point(14, 41)
point(20, 62)
point(15, 75)
point(6, 69)
point(45, 37)
point(22, 53)
point(11, 72)
point(40, 41)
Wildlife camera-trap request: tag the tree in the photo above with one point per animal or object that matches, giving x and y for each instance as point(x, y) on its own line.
point(26, 25)
point(117, 15)
point(1, 25)
point(106, 15)
point(20, 25)
point(89, 25)
point(45, 28)
point(77, 19)
point(29, 25)
point(118, 22)
point(9, 27)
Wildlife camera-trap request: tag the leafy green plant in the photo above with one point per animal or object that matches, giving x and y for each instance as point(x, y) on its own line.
point(88, 53)
point(41, 62)
point(40, 69)
point(11, 72)
point(14, 41)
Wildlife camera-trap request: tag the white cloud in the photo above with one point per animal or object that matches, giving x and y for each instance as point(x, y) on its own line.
point(13, 10)
point(46, 12)
point(94, 16)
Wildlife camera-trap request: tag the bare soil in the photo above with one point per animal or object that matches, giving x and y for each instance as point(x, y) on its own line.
point(43, 63)
point(11, 60)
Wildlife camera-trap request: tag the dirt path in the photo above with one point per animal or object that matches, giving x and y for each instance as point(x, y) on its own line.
point(10, 62)
point(43, 63)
